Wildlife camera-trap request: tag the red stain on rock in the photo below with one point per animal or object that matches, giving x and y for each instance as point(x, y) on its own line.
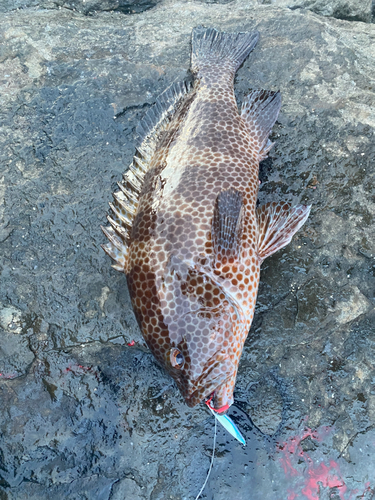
point(8, 376)
point(292, 448)
point(77, 369)
point(369, 490)
point(327, 476)
point(314, 475)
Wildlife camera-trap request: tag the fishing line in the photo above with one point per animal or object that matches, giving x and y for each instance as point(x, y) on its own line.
point(211, 464)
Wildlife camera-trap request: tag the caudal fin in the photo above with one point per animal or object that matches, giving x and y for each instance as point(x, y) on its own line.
point(210, 46)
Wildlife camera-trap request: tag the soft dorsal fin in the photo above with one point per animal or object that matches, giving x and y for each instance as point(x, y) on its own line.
point(125, 201)
point(260, 111)
point(277, 223)
point(227, 226)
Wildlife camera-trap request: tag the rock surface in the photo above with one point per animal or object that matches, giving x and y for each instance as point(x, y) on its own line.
point(87, 7)
point(85, 416)
point(351, 10)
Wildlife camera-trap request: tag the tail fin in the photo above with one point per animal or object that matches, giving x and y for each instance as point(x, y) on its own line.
point(210, 46)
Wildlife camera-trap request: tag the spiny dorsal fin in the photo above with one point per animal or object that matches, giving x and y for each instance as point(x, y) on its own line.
point(159, 116)
point(116, 249)
point(277, 223)
point(260, 111)
point(125, 204)
point(227, 226)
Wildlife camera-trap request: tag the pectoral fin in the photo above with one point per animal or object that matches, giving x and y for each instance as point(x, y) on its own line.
point(278, 222)
point(227, 226)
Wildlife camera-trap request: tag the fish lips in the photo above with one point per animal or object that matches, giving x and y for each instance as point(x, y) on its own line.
point(210, 381)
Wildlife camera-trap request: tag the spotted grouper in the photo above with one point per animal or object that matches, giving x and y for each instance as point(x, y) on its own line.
point(184, 226)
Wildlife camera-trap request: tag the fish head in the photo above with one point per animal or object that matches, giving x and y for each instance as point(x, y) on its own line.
point(191, 327)
point(198, 379)
point(203, 338)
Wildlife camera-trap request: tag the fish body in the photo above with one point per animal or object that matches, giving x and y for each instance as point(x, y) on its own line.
point(185, 228)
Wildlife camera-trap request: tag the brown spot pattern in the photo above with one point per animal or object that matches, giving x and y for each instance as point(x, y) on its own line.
point(186, 300)
point(181, 299)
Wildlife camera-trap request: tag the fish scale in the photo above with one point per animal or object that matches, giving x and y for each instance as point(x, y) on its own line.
point(184, 226)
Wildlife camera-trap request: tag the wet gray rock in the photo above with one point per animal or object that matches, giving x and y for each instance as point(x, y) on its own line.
point(265, 404)
point(83, 414)
point(15, 353)
point(350, 10)
point(86, 7)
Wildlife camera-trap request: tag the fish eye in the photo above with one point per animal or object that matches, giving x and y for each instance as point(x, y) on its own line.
point(177, 358)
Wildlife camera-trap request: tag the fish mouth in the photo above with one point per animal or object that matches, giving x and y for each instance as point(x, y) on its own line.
point(208, 383)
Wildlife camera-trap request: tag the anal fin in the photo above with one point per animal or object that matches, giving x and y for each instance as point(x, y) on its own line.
point(227, 226)
point(277, 223)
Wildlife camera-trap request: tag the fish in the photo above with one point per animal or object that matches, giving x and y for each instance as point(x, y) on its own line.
point(185, 227)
